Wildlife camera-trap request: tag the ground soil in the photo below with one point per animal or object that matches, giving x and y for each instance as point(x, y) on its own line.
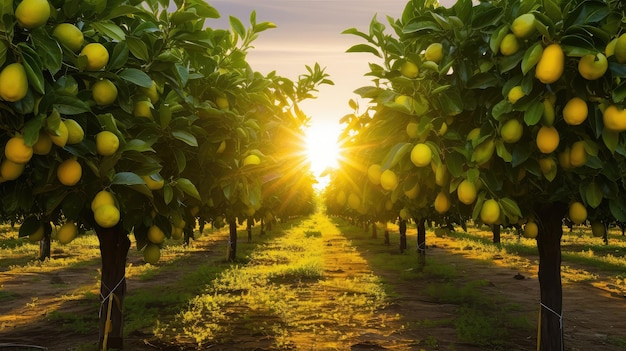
point(592, 314)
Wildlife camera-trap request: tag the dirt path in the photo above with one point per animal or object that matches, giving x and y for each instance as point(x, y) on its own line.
point(340, 304)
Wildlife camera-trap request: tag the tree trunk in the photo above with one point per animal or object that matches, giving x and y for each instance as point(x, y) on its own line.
point(262, 226)
point(495, 229)
point(44, 246)
point(231, 252)
point(421, 243)
point(402, 229)
point(387, 242)
point(550, 336)
point(374, 231)
point(249, 228)
point(114, 245)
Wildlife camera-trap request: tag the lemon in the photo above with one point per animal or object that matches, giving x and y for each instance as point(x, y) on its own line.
point(413, 192)
point(143, 108)
point(43, 145)
point(466, 192)
point(598, 229)
point(31, 14)
point(575, 111)
point(421, 155)
point(547, 139)
point(614, 119)
point(412, 130)
point(69, 172)
point(75, 133)
point(547, 165)
point(509, 45)
point(441, 175)
point(578, 154)
point(102, 198)
point(577, 212)
point(592, 67)
point(69, 35)
point(341, 198)
point(620, 49)
point(156, 235)
point(17, 151)
point(490, 212)
point(373, 173)
point(515, 94)
point(442, 202)
point(524, 25)
point(151, 93)
point(251, 160)
point(107, 143)
point(564, 159)
point(409, 70)
point(550, 66)
point(434, 52)
point(13, 82)
point(97, 56)
point(511, 131)
point(60, 136)
point(37, 235)
point(107, 216)
point(177, 233)
point(151, 253)
point(610, 48)
point(153, 184)
point(221, 147)
point(10, 170)
point(482, 153)
point(67, 232)
point(549, 114)
point(222, 102)
point(104, 92)
point(389, 180)
point(531, 230)
point(354, 201)
point(404, 214)
point(473, 134)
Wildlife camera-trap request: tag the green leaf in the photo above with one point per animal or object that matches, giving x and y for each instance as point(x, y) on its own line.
point(618, 208)
point(501, 108)
point(32, 128)
point(593, 194)
point(138, 48)
point(364, 48)
point(502, 151)
point(186, 186)
point(552, 10)
point(483, 81)
point(30, 225)
point(496, 38)
point(185, 137)
point(49, 51)
point(109, 29)
point(70, 105)
point(611, 139)
point(455, 162)
point(168, 194)
point(122, 10)
point(237, 26)
point(33, 67)
point(127, 178)
point(395, 155)
point(510, 207)
point(181, 159)
point(531, 57)
point(138, 145)
point(533, 113)
point(136, 76)
point(619, 93)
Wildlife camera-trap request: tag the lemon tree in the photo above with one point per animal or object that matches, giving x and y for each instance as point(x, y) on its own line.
point(532, 115)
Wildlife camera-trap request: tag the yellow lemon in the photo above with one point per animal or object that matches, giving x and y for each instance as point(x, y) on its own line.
point(75, 133)
point(490, 212)
point(547, 139)
point(107, 216)
point(413, 192)
point(69, 35)
point(107, 143)
point(60, 136)
point(151, 93)
point(564, 159)
point(592, 67)
point(509, 45)
point(43, 145)
point(221, 147)
point(389, 180)
point(549, 114)
point(151, 254)
point(610, 48)
point(17, 151)
point(442, 202)
point(222, 102)
point(598, 229)
point(575, 111)
point(550, 66)
point(11, 170)
point(473, 134)
point(434, 52)
point(614, 119)
point(251, 160)
point(143, 108)
point(482, 153)
point(409, 70)
point(531, 230)
point(102, 198)
point(354, 201)
point(104, 92)
point(547, 165)
point(466, 192)
point(515, 94)
point(511, 131)
point(441, 175)
point(32, 13)
point(69, 172)
point(156, 235)
point(67, 232)
point(578, 154)
point(97, 56)
point(404, 214)
point(13, 82)
point(620, 49)
point(373, 173)
point(577, 212)
point(421, 155)
point(412, 130)
point(177, 233)
point(341, 198)
point(37, 235)
point(524, 25)
point(153, 184)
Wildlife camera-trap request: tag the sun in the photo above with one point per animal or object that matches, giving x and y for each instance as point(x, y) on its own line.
point(322, 150)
